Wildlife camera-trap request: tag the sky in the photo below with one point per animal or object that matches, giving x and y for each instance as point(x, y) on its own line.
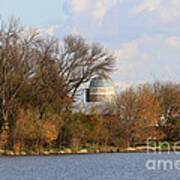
point(144, 35)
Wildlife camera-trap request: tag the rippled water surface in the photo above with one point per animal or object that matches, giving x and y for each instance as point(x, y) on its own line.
point(122, 166)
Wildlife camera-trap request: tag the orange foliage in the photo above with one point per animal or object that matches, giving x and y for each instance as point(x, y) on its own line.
point(50, 132)
point(149, 112)
point(3, 138)
point(17, 147)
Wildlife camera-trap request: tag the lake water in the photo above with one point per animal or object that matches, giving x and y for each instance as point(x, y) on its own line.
point(120, 166)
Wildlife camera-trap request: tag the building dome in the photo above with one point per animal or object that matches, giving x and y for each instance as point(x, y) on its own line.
point(101, 89)
point(101, 82)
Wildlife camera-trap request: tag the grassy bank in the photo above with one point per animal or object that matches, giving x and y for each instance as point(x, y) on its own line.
point(108, 149)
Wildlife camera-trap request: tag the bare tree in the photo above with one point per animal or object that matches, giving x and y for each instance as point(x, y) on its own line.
point(61, 71)
point(48, 85)
point(16, 55)
point(80, 61)
point(168, 95)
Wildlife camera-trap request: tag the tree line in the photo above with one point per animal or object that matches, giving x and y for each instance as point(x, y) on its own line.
point(41, 78)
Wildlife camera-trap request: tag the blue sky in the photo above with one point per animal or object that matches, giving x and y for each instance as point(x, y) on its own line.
point(144, 34)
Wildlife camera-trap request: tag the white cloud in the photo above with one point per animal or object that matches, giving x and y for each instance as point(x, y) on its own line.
point(50, 30)
point(142, 57)
point(129, 56)
point(120, 85)
point(149, 5)
point(167, 10)
point(97, 8)
point(167, 69)
point(36, 30)
point(88, 16)
point(79, 6)
point(148, 58)
point(174, 41)
point(102, 7)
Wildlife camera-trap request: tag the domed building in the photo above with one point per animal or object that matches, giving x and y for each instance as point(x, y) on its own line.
point(101, 89)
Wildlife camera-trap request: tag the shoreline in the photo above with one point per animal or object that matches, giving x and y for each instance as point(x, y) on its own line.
point(86, 151)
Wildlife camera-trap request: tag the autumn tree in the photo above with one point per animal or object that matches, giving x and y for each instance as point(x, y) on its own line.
point(99, 128)
point(16, 57)
point(168, 95)
point(33, 130)
point(148, 115)
point(126, 116)
point(138, 114)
